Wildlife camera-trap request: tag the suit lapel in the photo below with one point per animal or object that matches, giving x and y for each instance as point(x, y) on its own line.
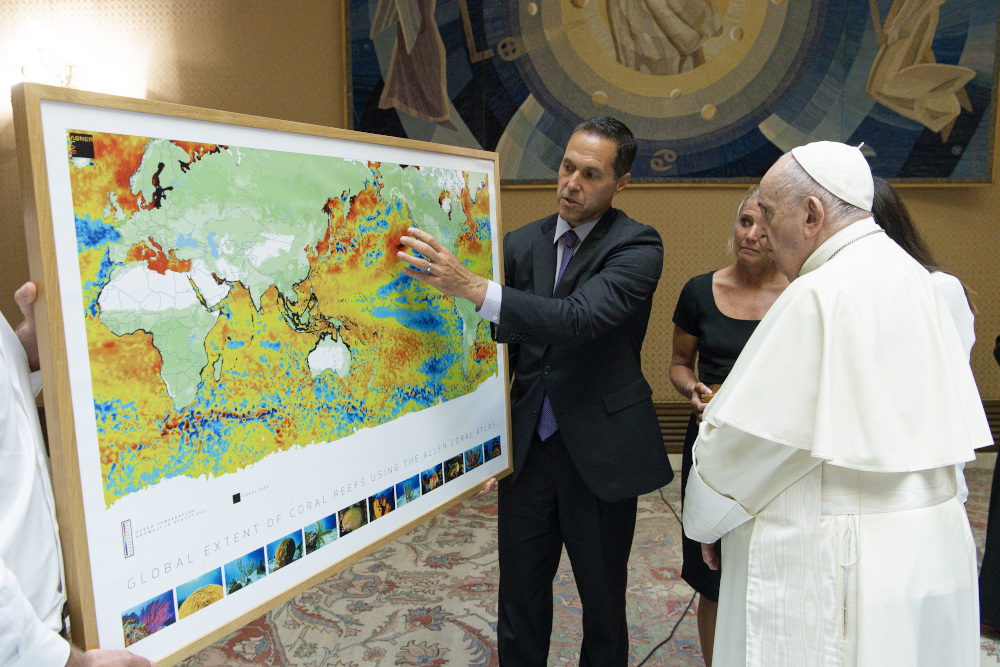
point(580, 258)
point(543, 255)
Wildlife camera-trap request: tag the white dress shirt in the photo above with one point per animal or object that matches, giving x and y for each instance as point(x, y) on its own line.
point(490, 310)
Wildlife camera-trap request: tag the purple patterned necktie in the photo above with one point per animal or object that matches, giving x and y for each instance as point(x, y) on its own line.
point(546, 418)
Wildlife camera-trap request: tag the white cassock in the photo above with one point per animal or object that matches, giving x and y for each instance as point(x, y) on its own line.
point(826, 465)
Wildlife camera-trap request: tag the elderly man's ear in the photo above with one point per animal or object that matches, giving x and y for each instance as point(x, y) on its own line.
point(815, 216)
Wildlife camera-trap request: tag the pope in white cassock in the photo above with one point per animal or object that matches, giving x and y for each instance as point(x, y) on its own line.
point(826, 461)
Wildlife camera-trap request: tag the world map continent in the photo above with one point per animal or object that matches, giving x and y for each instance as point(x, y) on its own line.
point(239, 302)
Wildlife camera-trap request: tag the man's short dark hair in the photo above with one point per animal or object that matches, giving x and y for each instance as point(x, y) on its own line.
point(618, 132)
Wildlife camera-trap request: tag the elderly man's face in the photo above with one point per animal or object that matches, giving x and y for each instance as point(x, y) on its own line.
point(783, 222)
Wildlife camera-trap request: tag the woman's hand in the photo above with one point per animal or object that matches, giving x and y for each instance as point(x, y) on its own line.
point(699, 392)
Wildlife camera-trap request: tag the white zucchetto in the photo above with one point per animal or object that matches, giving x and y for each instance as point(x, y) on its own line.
point(839, 168)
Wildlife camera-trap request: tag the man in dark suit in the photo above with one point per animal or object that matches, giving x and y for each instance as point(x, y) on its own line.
point(585, 438)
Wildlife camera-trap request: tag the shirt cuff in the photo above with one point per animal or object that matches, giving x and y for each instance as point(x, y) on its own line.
point(490, 310)
point(708, 515)
point(36, 382)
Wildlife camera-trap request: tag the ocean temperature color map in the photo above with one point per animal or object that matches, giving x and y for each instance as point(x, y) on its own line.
point(239, 302)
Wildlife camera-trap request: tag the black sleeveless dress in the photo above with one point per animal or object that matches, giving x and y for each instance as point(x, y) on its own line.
point(720, 341)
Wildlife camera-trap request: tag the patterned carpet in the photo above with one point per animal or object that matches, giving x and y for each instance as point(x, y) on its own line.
point(429, 598)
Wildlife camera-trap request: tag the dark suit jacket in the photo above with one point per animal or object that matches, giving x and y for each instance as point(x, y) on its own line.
point(582, 346)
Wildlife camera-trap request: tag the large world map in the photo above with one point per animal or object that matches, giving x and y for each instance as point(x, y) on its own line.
point(240, 302)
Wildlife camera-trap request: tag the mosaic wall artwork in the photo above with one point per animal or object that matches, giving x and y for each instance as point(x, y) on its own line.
point(715, 90)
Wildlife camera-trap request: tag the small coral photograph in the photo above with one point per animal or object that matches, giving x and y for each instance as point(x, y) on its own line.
point(245, 570)
point(321, 533)
point(353, 517)
point(199, 593)
point(431, 479)
point(474, 458)
point(284, 551)
point(453, 468)
point(408, 490)
point(151, 616)
point(492, 448)
point(382, 503)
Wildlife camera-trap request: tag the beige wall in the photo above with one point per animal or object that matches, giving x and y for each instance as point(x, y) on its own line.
point(284, 59)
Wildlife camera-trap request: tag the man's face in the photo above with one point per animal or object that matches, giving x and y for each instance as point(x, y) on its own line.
point(783, 222)
point(587, 182)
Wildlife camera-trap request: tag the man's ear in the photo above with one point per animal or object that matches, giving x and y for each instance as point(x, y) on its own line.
point(815, 216)
point(622, 182)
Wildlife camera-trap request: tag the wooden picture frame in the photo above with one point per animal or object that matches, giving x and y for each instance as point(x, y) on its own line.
point(278, 463)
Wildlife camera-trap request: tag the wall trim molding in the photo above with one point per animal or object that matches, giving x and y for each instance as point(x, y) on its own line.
point(673, 416)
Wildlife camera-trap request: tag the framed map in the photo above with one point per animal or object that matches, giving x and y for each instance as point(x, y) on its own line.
point(243, 391)
point(714, 90)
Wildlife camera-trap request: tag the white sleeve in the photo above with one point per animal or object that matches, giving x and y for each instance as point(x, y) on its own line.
point(25, 641)
point(490, 310)
point(734, 476)
point(958, 304)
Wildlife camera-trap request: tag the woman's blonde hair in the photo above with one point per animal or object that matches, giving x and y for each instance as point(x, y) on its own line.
point(750, 195)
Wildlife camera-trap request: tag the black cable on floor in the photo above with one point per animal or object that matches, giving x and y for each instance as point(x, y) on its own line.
point(671, 635)
point(686, 609)
point(676, 515)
